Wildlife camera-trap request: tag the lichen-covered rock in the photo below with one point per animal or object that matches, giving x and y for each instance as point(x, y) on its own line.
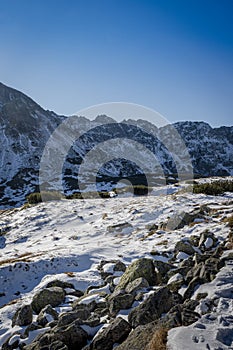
point(53, 296)
point(140, 268)
point(23, 316)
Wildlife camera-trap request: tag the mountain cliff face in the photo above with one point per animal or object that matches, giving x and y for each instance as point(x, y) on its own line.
point(25, 128)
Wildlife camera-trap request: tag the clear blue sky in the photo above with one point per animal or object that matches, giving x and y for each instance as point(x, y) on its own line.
point(175, 56)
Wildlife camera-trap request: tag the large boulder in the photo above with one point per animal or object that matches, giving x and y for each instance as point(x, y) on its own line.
point(53, 296)
point(23, 316)
point(140, 268)
point(153, 307)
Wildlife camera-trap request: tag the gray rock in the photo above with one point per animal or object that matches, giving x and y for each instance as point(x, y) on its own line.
point(140, 268)
point(119, 227)
point(76, 305)
point(53, 296)
point(46, 315)
point(181, 315)
point(136, 285)
point(138, 338)
point(73, 336)
point(179, 220)
point(67, 318)
point(116, 332)
point(23, 316)
point(58, 345)
point(32, 327)
point(152, 308)
point(13, 344)
point(61, 284)
point(184, 246)
point(162, 267)
point(193, 284)
point(204, 236)
point(119, 302)
point(118, 266)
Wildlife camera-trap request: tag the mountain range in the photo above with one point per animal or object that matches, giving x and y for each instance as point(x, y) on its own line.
point(126, 149)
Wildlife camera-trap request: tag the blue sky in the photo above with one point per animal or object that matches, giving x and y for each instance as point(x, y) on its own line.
point(174, 56)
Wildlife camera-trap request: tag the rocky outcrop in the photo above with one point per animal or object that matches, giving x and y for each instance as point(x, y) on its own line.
point(153, 293)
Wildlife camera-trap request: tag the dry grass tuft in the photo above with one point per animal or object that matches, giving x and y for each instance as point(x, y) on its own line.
point(21, 258)
point(159, 340)
point(70, 274)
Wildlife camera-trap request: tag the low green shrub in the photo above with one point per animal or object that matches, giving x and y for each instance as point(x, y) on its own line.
point(76, 195)
point(214, 188)
point(38, 197)
point(230, 221)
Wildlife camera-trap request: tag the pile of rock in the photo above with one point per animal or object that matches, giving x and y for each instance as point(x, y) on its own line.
point(154, 292)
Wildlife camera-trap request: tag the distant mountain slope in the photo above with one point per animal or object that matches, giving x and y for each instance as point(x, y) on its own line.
point(25, 128)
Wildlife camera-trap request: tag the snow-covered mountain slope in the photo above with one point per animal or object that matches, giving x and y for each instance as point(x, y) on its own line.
point(66, 240)
point(26, 127)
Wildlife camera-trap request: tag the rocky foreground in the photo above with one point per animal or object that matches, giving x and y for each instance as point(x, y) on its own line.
point(185, 291)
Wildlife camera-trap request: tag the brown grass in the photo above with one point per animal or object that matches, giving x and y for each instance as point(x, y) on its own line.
point(70, 274)
point(159, 340)
point(23, 257)
point(230, 221)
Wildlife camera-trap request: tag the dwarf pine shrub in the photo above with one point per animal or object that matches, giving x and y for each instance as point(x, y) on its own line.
point(214, 188)
point(38, 197)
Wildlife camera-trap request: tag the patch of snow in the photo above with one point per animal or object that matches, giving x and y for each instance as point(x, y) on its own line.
point(175, 278)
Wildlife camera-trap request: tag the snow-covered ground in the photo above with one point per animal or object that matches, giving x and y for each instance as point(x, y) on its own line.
point(67, 239)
